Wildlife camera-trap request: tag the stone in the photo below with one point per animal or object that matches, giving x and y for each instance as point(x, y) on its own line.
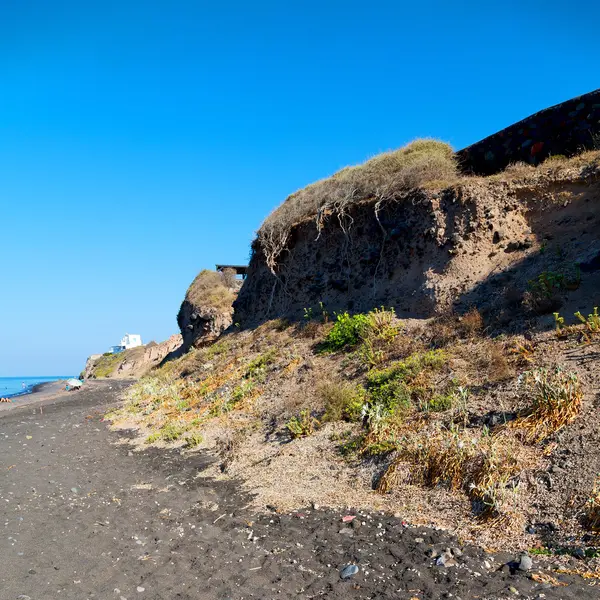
point(579, 553)
point(348, 571)
point(525, 563)
point(356, 524)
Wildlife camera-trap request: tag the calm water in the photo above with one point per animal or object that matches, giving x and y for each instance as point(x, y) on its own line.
point(12, 386)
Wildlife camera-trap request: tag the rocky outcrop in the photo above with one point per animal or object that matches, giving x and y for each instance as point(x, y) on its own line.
point(202, 324)
point(135, 362)
point(206, 310)
point(154, 354)
point(475, 243)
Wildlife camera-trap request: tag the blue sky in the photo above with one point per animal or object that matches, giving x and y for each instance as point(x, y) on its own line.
point(141, 142)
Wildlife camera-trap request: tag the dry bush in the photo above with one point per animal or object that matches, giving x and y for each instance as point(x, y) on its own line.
point(471, 323)
point(341, 401)
point(556, 398)
point(491, 360)
point(380, 178)
point(479, 463)
point(211, 289)
point(592, 509)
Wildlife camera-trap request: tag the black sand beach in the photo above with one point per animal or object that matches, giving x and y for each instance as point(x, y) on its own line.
point(85, 517)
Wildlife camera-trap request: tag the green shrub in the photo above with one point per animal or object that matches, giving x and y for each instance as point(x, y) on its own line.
point(543, 291)
point(193, 439)
point(172, 431)
point(258, 366)
point(342, 401)
point(374, 329)
point(390, 391)
point(346, 332)
point(302, 425)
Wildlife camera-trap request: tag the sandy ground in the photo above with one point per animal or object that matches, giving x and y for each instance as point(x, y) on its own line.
point(84, 516)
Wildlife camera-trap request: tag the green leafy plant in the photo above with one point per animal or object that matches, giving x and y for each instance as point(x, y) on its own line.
point(559, 322)
point(257, 367)
point(346, 332)
point(193, 439)
point(591, 322)
point(302, 425)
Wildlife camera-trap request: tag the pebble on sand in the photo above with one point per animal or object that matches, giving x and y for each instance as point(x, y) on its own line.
point(348, 571)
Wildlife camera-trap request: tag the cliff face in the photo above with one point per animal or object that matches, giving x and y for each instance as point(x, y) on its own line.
point(131, 363)
point(478, 242)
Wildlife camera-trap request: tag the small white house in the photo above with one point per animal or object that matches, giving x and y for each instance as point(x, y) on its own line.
point(129, 340)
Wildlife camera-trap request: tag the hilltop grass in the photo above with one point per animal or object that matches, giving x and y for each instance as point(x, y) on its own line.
point(423, 162)
point(213, 289)
point(106, 365)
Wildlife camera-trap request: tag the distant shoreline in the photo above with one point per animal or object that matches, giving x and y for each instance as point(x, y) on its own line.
point(36, 393)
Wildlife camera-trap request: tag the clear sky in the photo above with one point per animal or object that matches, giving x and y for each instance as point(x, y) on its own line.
point(143, 141)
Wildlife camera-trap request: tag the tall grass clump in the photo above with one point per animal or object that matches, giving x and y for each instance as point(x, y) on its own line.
point(478, 463)
point(555, 401)
point(384, 177)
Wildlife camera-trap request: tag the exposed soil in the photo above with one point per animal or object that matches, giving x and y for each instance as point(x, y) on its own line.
point(84, 516)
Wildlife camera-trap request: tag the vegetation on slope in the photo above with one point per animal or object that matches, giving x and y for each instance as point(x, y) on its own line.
point(438, 406)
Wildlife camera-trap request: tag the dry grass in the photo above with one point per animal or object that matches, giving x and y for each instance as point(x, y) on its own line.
point(479, 463)
point(383, 177)
point(556, 399)
point(592, 512)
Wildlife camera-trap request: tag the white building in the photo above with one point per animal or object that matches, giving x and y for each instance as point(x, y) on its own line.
point(129, 340)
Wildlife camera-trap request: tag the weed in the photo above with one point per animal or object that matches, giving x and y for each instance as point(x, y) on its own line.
point(471, 323)
point(241, 391)
point(302, 425)
point(258, 366)
point(556, 401)
point(217, 349)
point(390, 390)
point(172, 431)
point(591, 322)
point(479, 464)
point(342, 401)
point(193, 439)
point(559, 322)
point(351, 446)
point(543, 293)
point(523, 352)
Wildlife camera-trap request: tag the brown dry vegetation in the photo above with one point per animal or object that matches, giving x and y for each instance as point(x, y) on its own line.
point(213, 289)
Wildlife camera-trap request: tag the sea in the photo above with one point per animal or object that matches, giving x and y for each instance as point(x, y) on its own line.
point(15, 386)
